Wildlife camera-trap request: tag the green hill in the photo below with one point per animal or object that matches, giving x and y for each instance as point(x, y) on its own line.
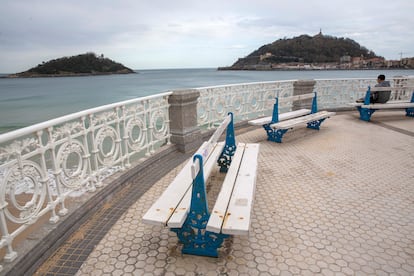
point(303, 49)
point(80, 65)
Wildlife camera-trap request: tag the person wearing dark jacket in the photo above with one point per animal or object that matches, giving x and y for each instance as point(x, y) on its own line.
point(383, 96)
point(379, 96)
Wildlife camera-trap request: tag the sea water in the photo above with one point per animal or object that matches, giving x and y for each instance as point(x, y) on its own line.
point(26, 101)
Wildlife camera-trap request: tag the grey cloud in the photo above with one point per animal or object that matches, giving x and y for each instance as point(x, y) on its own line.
point(45, 27)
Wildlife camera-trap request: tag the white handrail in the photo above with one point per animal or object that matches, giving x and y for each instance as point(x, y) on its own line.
point(36, 127)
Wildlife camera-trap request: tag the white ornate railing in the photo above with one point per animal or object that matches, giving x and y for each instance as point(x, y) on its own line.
point(251, 100)
point(246, 100)
point(41, 165)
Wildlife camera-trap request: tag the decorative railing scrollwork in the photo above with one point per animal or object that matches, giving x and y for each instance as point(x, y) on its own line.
point(42, 165)
point(245, 101)
point(251, 100)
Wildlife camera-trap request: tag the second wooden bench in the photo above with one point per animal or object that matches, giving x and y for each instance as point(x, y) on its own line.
point(278, 124)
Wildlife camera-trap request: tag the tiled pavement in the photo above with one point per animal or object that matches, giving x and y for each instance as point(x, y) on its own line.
point(339, 201)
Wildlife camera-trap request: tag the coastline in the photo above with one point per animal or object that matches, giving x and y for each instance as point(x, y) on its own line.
point(229, 68)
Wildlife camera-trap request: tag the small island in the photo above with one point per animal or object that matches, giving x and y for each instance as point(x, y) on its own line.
point(88, 64)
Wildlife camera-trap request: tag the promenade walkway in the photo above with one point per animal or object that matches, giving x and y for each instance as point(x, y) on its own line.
point(335, 202)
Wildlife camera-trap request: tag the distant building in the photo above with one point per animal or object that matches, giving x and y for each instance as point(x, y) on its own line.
point(376, 62)
point(345, 59)
point(393, 63)
point(357, 61)
point(265, 56)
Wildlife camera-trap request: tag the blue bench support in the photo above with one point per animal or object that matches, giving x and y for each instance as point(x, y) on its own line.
point(410, 111)
point(225, 158)
point(366, 113)
point(276, 135)
point(273, 135)
point(193, 235)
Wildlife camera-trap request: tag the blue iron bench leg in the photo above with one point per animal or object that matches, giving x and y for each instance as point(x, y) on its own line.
point(410, 111)
point(315, 124)
point(193, 235)
point(365, 113)
point(226, 156)
point(274, 135)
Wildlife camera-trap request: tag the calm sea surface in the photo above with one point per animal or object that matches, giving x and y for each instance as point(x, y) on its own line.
point(26, 101)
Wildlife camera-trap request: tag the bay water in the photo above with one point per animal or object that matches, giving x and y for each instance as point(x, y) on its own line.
point(27, 101)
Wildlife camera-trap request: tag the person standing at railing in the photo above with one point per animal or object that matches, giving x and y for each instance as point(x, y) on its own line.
point(376, 96)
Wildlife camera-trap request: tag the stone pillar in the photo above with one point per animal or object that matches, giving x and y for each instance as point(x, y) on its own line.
point(301, 87)
point(185, 132)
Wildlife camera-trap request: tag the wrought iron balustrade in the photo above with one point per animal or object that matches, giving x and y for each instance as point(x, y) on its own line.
point(44, 164)
point(250, 100)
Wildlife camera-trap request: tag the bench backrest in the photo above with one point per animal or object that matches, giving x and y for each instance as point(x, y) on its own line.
point(313, 96)
point(390, 88)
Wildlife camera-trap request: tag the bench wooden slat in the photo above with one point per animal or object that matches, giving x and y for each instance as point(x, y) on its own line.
point(166, 204)
point(220, 208)
point(389, 88)
point(304, 119)
point(177, 218)
point(379, 104)
point(355, 104)
point(238, 217)
point(388, 105)
point(219, 131)
point(282, 117)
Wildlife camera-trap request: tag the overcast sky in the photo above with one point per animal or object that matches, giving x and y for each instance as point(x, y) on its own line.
point(190, 33)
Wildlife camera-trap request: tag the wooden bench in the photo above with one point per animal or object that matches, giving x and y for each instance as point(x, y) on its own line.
point(183, 207)
point(278, 124)
point(366, 109)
